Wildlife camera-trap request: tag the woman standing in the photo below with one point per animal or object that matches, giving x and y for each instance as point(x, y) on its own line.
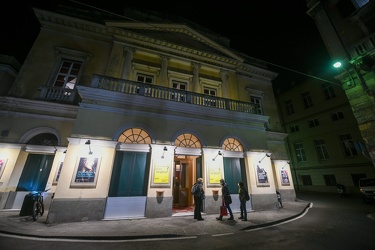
point(242, 193)
point(227, 200)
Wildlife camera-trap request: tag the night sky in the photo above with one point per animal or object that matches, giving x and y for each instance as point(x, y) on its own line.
point(275, 31)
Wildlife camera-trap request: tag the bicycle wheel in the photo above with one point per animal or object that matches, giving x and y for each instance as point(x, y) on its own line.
point(41, 210)
point(35, 210)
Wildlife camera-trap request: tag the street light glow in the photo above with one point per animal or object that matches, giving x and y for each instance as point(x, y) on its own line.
point(337, 65)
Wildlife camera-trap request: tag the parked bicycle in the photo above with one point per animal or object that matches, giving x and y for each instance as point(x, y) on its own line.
point(33, 204)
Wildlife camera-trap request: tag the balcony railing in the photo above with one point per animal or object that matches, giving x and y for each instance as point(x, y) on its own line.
point(364, 46)
point(170, 94)
point(57, 94)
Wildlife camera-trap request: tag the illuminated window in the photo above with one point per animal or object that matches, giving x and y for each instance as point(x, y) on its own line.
point(135, 135)
point(348, 145)
point(232, 144)
point(321, 149)
point(187, 141)
point(300, 152)
point(68, 74)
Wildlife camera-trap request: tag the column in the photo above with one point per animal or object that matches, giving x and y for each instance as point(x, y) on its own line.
point(129, 54)
point(196, 67)
point(164, 71)
point(224, 79)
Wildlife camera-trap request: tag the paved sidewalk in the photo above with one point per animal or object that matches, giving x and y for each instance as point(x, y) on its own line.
point(169, 227)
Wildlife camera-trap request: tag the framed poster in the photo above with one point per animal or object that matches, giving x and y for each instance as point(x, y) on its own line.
point(86, 172)
point(161, 176)
point(262, 178)
point(57, 174)
point(3, 162)
point(214, 176)
point(284, 178)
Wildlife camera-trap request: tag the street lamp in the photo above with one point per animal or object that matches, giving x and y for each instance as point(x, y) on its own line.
point(339, 65)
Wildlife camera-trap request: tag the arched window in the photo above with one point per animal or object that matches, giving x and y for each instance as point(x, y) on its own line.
point(231, 144)
point(188, 141)
point(45, 139)
point(135, 135)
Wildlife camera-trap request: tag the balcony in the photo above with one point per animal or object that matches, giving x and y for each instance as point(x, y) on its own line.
point(59, 95)
point(170, 94)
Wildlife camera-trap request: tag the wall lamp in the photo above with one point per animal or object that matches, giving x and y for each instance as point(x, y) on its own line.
point(267, 155)
point(218, 153)
point(165, 149)
point(285, 164)
point(89, 143)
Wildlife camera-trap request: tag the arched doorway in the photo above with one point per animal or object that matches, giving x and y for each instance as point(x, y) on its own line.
point(187, 168)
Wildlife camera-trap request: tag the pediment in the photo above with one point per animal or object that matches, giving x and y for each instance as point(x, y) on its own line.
point(178, 34)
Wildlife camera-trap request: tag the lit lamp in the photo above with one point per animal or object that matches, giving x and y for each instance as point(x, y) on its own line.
point(339, 65)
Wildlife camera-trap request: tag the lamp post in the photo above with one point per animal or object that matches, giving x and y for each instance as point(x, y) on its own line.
point(339, 65)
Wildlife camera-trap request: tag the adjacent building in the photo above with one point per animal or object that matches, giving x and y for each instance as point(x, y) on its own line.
point(347, 28)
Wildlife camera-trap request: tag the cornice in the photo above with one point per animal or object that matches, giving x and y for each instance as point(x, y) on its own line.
point(147, 43)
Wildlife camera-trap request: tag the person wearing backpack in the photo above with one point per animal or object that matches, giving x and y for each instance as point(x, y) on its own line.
point(243, 195)
point(198, 192)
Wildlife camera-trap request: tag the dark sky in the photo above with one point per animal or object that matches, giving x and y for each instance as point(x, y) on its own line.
point(276, 31)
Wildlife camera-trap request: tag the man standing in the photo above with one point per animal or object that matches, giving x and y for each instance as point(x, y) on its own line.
point(198, 193)
point(227, 200)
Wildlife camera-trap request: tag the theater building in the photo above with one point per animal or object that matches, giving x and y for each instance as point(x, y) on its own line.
point(119, 115)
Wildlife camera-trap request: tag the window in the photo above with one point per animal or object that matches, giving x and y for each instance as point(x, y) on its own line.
point(209, 91)
point(68, 74)
point(187, 140)
point(307, 101)
point(179, 85)
point(289, 107)
point(145, 78)
point(330, 180)
point(135, 135)
point(348, 145)
point(337, 116)
point(313, 123)
point(300, 152)
point(328, 91)
point(258, 102)
point(294, 128)
point(209, 101)
point(306, 180)
point(178, 96)
point(321, 149)
point(232, 144)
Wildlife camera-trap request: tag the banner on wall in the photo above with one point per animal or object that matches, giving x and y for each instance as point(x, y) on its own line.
point(284, 178)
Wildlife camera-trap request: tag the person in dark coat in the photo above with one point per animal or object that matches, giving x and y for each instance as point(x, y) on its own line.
point(225, 193)
point(242, 196)
point(198, 200)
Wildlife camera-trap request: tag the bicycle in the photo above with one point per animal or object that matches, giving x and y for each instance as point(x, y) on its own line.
point(33, 204)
